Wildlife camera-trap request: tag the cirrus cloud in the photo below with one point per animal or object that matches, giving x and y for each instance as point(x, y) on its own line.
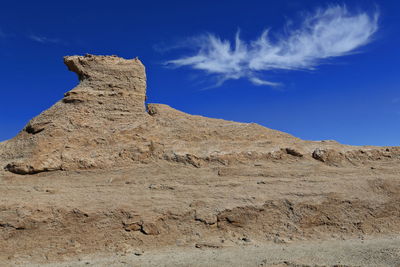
point(327, 33)
point(43, 39)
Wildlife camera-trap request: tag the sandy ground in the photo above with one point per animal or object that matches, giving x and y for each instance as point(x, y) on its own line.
point(356, 252)
point(179, 215)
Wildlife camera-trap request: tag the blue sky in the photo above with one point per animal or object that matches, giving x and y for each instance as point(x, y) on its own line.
point(339, 82)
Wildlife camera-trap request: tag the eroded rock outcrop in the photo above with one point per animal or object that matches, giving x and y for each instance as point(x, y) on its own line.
point(86, 128)
point(104, 123)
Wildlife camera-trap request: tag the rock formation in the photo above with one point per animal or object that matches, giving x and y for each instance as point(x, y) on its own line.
point(114, 177)
point(90, 125)
point(104, 123)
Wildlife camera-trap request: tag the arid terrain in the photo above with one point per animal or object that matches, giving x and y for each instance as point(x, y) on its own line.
point(103, 179)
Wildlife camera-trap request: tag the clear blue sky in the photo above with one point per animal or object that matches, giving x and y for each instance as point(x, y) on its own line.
point(350, 97)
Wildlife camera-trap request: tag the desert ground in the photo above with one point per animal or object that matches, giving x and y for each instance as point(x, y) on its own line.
point(308, 215)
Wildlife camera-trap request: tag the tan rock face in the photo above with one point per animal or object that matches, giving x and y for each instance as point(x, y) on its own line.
point(110, 79)
point(103, 123)
point(86, 128)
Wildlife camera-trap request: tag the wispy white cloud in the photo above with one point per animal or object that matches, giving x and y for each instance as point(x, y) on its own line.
point(324, 34)
point(43, 40)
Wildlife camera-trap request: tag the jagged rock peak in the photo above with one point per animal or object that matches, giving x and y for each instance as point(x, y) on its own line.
point(105, 78)
point(109, 98)
point(108, 72)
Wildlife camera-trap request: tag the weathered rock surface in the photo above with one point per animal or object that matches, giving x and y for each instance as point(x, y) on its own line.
point(103, 123)
point(89, 126)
